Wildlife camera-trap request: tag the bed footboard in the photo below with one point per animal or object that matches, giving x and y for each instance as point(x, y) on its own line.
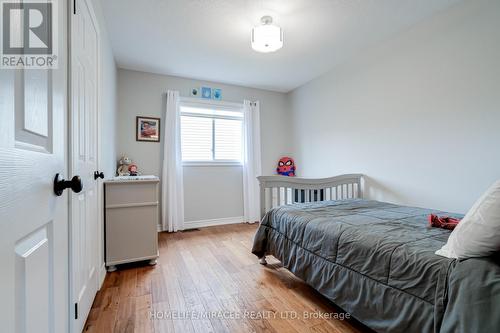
point(280, 190)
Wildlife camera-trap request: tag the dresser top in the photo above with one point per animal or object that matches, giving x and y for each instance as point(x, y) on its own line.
point(132, 179)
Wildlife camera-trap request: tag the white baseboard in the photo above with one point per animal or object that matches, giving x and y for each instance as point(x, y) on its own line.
point(213, 222)
point(209, 223)
point(102, 275)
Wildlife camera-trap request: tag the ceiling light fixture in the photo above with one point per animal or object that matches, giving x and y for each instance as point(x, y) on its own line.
point(267, 37)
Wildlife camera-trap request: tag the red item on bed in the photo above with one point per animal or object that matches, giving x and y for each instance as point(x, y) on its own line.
point(445, 222)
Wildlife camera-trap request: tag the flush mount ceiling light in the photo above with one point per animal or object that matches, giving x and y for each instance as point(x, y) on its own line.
point(267, 37)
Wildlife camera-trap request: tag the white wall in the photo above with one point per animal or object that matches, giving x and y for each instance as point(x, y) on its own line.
point(419, 115)
point(213, 192)
point(210, 192)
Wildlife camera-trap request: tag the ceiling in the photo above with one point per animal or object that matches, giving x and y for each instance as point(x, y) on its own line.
point(210, 39)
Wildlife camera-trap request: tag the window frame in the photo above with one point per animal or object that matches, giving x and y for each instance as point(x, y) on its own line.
point(218, 105)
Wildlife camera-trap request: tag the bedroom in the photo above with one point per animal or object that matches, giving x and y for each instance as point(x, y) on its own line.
point(170, 119)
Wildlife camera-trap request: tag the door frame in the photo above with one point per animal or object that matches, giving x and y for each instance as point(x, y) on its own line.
point(100, 264)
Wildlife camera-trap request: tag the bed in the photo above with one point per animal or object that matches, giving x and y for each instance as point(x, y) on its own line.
point(374, 259)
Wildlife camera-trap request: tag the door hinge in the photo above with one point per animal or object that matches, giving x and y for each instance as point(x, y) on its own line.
point(74, 7)
point(76, 310)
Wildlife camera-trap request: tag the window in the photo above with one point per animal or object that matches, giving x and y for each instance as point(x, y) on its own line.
point(211, 133)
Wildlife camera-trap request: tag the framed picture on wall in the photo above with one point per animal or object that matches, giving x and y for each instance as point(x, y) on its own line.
point(147, 129)
point(206, 92)
point(217, 94)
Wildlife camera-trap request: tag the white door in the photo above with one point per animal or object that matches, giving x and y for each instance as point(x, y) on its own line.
point(33, 220)
point(84, 265)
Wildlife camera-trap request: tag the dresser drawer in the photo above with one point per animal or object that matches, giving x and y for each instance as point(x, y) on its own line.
point(131, 193)
point(131, 234)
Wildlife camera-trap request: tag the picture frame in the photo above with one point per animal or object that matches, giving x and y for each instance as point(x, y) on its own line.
point(206, 92)
point(147, 129)
point(217, 94)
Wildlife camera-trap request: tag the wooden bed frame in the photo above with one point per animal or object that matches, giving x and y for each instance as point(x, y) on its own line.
point(281, 190)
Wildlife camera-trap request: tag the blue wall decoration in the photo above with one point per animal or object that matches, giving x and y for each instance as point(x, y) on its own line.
point(217, 94)
point(206, 92)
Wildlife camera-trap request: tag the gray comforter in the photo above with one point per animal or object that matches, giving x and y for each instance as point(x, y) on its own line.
point(376, 260)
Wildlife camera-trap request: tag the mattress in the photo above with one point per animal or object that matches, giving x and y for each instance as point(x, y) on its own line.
point(375, 260)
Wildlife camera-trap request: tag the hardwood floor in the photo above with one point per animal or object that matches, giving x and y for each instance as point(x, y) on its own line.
point(210, 282)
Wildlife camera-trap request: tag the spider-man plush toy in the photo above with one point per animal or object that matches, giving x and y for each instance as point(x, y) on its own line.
point(286, 167)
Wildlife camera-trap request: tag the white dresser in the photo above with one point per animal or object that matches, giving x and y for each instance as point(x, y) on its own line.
point(131, 220)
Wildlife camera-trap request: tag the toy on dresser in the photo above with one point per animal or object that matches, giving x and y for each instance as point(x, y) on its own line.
point(126, 167)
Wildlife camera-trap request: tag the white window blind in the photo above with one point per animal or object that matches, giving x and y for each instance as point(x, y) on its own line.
point(211, 134)
point(196, 138)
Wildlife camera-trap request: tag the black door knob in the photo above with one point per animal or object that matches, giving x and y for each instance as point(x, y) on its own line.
point(98, 174)
point(60, 184)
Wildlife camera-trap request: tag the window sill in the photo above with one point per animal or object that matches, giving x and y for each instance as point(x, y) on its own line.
point(211, 164)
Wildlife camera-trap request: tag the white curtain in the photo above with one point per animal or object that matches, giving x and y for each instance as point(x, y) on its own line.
point(251, 161)
point(172, 181)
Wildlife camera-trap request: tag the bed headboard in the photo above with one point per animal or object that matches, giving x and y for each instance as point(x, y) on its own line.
point(281, 190)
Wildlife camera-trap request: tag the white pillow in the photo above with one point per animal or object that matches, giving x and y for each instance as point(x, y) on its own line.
point(478, 234)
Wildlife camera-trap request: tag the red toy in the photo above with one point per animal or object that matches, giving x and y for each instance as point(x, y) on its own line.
point(445, 222)
point(132, 169)
point(286, 167)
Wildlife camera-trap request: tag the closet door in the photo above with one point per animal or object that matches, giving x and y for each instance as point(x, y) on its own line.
point(33, 219)
point(84, 264)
